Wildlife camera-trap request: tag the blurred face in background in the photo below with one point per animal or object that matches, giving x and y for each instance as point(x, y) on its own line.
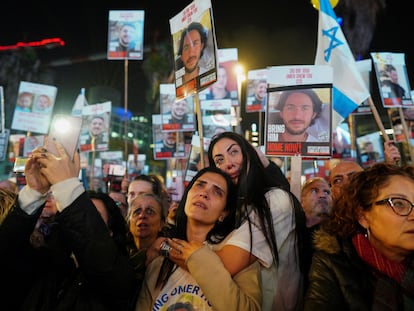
point(145, 217)
point(316, 200)
point(340, 176)
point(137, 187)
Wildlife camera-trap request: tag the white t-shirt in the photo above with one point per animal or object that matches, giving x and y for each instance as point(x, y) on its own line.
point(287, 273)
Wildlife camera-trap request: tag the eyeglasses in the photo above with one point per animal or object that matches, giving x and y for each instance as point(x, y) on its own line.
point(400, 206)
point(147, 211)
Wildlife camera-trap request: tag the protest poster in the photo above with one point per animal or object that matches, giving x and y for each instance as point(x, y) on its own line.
point(95, 129)
point(177, 114)
point(216, 116)
point(168, 144)
point(194, 45)
point(226, 86)
point(299, 111)
point(256, 92)
point(136, 165)
point(34, 107)
point(126, 35)
point(392, 77)
point(370, 149)
point(112, 163)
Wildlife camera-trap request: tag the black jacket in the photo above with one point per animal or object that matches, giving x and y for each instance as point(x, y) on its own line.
point(340, 280)
point(49, 278)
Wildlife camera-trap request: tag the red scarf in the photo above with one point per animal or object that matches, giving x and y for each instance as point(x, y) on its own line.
point(376, 260)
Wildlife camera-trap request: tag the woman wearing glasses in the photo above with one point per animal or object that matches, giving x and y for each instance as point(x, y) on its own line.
point(364, 251)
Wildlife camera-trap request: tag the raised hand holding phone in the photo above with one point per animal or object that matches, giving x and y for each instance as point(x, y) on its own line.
point(66, 130)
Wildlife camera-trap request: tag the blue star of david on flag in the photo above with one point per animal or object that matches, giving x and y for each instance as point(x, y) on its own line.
point(335, 42)
point(349, 89)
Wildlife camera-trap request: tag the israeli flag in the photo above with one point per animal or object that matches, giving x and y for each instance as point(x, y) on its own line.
point(349, 88)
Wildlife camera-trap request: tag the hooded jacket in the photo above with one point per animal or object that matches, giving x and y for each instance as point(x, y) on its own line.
point(340, 280)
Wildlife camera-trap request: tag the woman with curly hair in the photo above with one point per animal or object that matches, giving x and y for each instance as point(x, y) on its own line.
point(363, 256)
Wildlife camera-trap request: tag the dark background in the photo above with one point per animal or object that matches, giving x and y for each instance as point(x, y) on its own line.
point(266, 33)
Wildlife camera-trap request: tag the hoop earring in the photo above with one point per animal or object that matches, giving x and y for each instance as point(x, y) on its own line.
point(367, 234)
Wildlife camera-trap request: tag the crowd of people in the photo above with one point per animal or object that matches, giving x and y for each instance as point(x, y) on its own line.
point(237, 239)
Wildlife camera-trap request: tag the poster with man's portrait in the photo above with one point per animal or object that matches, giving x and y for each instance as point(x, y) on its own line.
point(227, 84)
point(393, 83)
point(370, 149)
point(194, 44)
point(299, 111)
point(126, 35)
point(95, 127)
point(256, 92)
point(177, 114)
point(34, 107)
point(167, 144)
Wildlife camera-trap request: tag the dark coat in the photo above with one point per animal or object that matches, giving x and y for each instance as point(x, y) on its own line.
point(49, 279)
point(340, 280)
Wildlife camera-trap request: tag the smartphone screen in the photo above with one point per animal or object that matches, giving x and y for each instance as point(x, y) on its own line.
point(66, 130)
point(19, 164)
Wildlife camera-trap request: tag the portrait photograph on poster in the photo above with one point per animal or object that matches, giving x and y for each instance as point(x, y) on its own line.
point(299, 111)
point(126, 34)
point(177, 114)
point(393, 83)
point(95, 128)
point(195, 46)
point(370, 149)
point(168, 144)
point(256, 92)
point(34, 107)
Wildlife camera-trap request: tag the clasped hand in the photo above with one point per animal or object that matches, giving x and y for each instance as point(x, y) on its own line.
point(179, 253)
